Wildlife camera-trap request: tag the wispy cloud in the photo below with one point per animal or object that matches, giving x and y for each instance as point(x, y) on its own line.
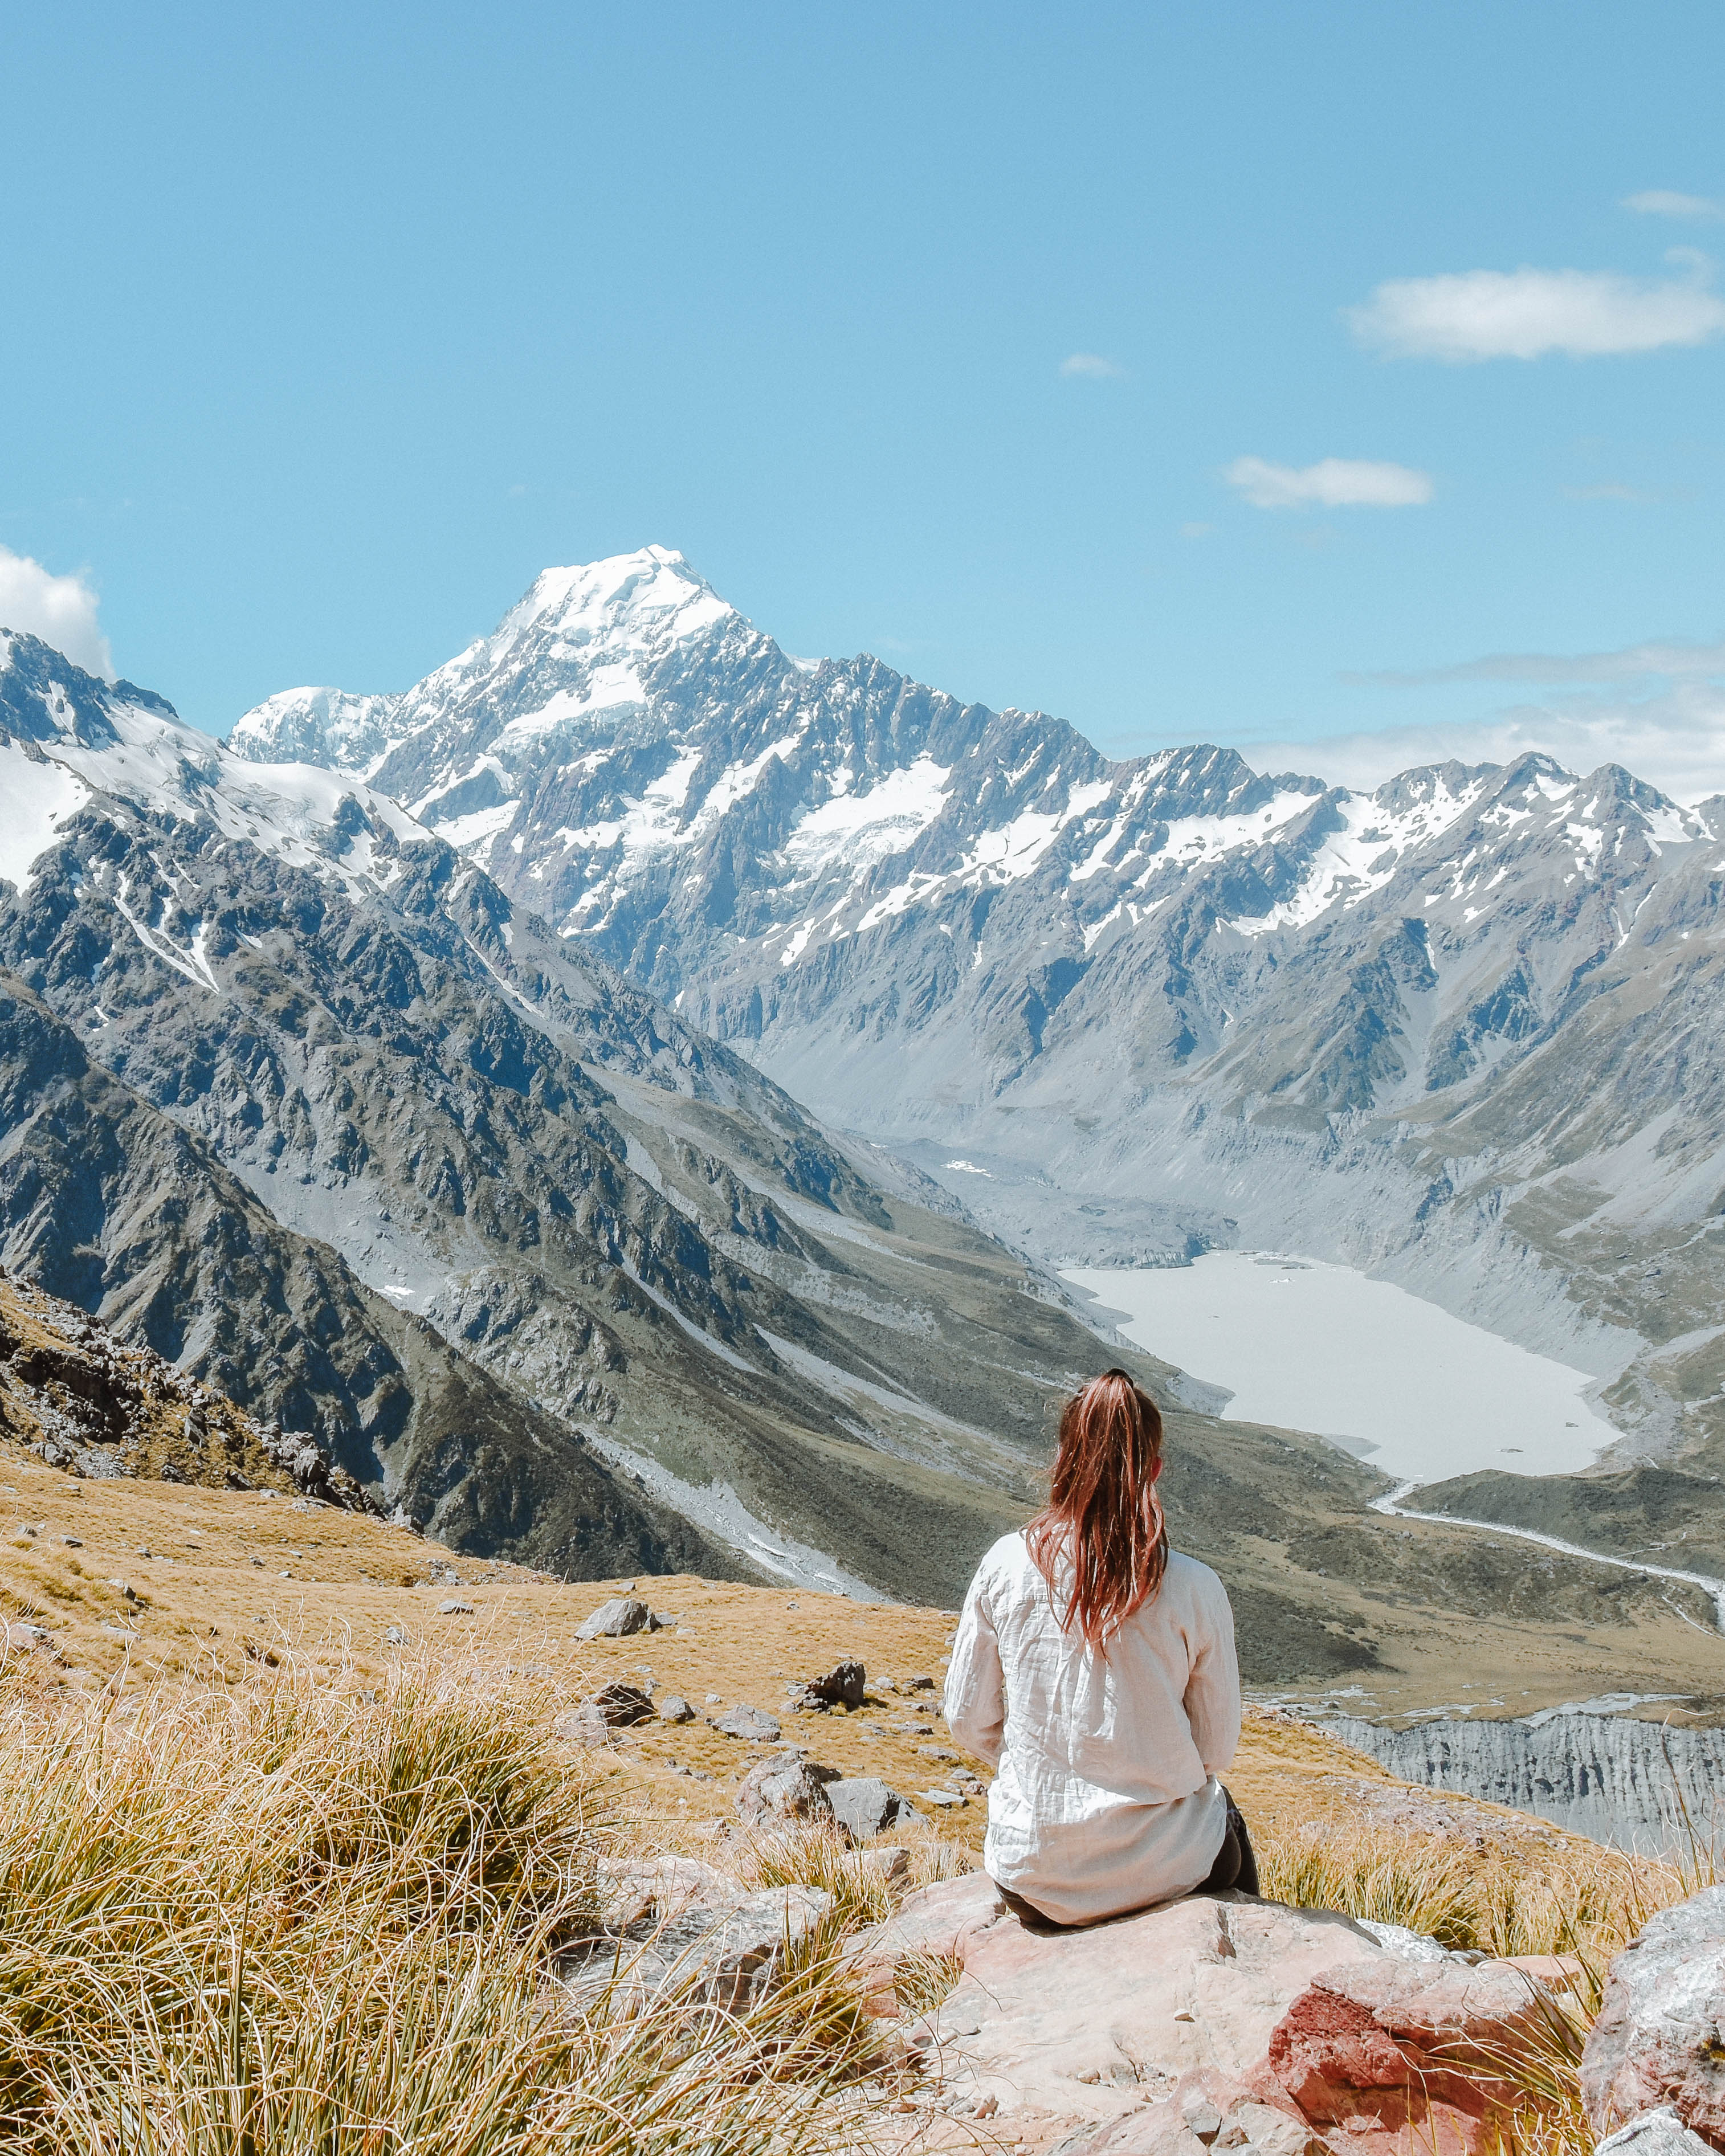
point(1090, 367)
point(1656, 708)
point(1331, 483)
point(1675, 740)
point(61, 610)
point(1524, 314)
point(1635, 662)
point(1661, 202)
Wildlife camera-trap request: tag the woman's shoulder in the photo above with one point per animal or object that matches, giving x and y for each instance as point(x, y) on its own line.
point(1186, 1576)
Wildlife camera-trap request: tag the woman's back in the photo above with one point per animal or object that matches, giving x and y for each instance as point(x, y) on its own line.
point(1105, 1757)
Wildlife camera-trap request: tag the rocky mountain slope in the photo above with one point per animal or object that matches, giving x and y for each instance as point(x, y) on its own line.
point(1463, 1031)
point(301, 1098)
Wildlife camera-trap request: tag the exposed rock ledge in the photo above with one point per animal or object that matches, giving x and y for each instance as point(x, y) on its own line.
point(1214, 2021)
point(1624, 1782)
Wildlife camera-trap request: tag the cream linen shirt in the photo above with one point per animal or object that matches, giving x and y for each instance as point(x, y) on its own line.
point(1105, 1794)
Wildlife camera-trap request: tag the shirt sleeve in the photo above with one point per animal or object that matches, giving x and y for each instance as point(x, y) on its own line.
point(975, 1699)
point(1212, 1700)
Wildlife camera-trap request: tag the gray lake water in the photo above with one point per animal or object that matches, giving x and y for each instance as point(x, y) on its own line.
point(1418, 1392)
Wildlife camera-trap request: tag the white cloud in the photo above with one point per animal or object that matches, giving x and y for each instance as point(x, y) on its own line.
point(1090, 367)
point(1331, 483)
point(1660, 201)
point(1521, 314)
point(1675, 743)
point(61, 610)
point(1657, 709)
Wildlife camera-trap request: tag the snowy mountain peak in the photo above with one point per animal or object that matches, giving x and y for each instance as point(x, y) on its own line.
point(640, 602)
point(316, 725)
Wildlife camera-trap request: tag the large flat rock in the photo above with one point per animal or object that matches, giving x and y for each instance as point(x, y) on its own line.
point(1222, 2019)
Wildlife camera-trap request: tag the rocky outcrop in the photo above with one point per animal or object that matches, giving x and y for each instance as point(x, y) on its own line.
point(673, 1925)
point(1630, 1784)
point(1659, 2038)
point(1227, 2020)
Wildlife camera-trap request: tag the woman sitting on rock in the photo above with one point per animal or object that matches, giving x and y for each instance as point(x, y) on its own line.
point(1094, 1671)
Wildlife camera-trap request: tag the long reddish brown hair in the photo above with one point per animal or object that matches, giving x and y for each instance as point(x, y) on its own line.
point(1102, 1514)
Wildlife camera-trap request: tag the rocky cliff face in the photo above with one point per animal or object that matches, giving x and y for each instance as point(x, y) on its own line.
point(1463, 1031)
point(1635, 1785)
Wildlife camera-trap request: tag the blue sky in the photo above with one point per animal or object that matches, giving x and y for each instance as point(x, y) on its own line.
point(1158, 365)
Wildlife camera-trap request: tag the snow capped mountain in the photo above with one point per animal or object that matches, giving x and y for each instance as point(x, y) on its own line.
point(66, 735)
point(1460, 1030)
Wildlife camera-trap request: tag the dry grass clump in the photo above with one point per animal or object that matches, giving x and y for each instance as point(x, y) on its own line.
point(288, 1918)
point(1574, 1897)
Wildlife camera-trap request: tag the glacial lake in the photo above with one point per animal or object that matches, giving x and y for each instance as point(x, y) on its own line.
point(1415, 1391)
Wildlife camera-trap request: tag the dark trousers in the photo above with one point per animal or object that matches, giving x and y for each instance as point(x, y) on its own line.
point(1236, 1865)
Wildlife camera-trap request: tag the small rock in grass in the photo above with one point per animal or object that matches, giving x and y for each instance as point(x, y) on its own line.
point(619, 1619)
point(713, 1698)
point(841, 1686)
point(787, 1789)
point(916, 1684)
point(748, 1722)
point(946, 1797)
point(862, 1804)
point(890, 1862)
point(674, 1707)
point(622, 1704)
point(393, 1635)
point(449, 1609)
point(937, 1753)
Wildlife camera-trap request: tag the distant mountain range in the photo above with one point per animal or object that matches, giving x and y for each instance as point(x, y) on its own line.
point(423, 1072)
point(1464, 1031)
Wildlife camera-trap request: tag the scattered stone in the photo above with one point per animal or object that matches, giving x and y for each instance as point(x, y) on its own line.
point(890, 1862)
point(841, 1686)
point(916, 1684)
point(789, 1788)
point(619, 1619)
point(864, 1805)
point(452, 1607)
point(27, 1635)
point(945, 1798)
point(622, 1705)
point(1659, 2040)
point(73, 1541)
point(393, 1635)
point(937, 1753)
point(713, 1698)
point(748, 1722)
point(95, 1464)
point(1658, 2133)
point(674, 1707)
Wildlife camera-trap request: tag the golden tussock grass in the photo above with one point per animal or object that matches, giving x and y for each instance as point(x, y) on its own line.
point(290, 1919)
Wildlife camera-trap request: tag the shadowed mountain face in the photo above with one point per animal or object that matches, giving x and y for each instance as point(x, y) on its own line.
point(1464, 1031)
point(465, 1135)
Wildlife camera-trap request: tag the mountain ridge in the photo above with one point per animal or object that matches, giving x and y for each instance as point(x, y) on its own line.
point(1157, 1004)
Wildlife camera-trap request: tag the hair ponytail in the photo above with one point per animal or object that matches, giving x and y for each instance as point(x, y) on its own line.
point(1103, 1516)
